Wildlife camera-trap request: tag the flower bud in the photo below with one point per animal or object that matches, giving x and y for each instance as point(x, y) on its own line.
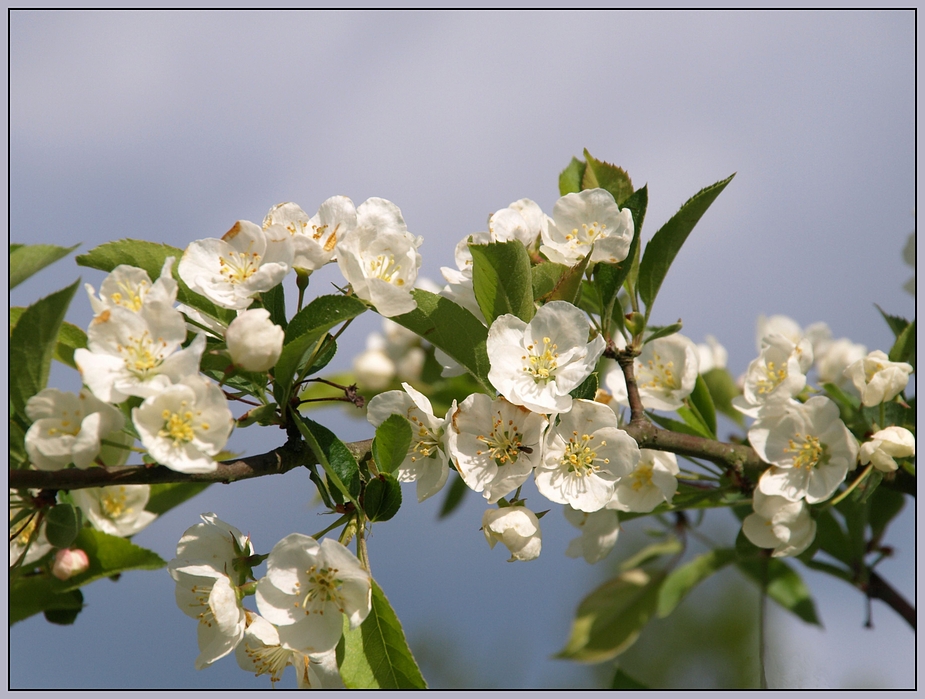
point(886, 446)
point(69, 562)
point(515, 527)
point(254, 342)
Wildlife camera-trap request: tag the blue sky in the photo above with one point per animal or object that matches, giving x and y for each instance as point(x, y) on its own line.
point(171, 126)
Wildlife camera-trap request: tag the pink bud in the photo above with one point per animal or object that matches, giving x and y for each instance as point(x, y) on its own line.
point(69, 562)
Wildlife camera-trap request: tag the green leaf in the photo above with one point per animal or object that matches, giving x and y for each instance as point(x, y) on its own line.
point(30, 595)
point(695, 421)
point(166, 496)
point(663, 331)
point(568, 288)
point(382, 498)
point(785, 586)
point(336, 460)
point(665, 244)
point(454, 497)
point(587, 389)
point(62, 524)
point(676, 426)
point(451, 328)
point(19, 458)
point(66, 617)
point(701, 400)
point(682, 580)
point(623, 681)
point(502, 280)
point(896, 323)
point(832, 538)
point(723, 389)
point(391, 444)
point(545, 276)
point(607, 176)
point(32, 345)
point(109, 555)
point(609, 620)
point(150, 257)
point(570, 178)
point(885, 504)
point(26, 260)
point(846, 402)
point(274, 301)
point(70, 338)
point(376, 654)
point(903, 349)
point(669, 547)
point(305, 330)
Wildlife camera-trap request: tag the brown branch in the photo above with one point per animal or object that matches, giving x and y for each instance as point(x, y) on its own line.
point(878, 588)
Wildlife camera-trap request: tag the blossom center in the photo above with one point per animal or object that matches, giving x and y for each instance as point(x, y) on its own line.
point(542, 364)
point(659, 374)
point(113, 503)
point(385, 267)
point(871, 369)
point(238, 267)
point(323, 588)
point(130, 298)
point(642, 477)
point(808, 453)
point(427, 441)
point(331, 240)
point(587, 235)
point(141, 355)
point(773, 378)
point(268, 660)
point(505, 443)
point(580, 458)
point(178, 426)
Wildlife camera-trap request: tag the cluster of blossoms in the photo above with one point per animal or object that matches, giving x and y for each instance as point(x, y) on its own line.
point(308, 589)
point(573, 449)
point(810, 450)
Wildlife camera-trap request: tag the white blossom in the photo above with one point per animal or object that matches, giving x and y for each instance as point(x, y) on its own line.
point(254, 341)
point(314, 239)
point(70, 428)
point(130, 287)
point(877, 379)
point(809, 446)
point(652, 482)
point(517, 528)
point(537, 364)
point(588, 222)
point(245, 262)
point(817, 334)
point(116, 509)
point(780, 524)
point(836, 356)
point(263, 653)
point(711, 354)
point(24, 529)
point(426, 461)
point(887, 445)
point(599, 532)
point(665, 371)
point(494, 444)
point(185, 425)
point(309, 587)
point(777, 375)
point(584, 456)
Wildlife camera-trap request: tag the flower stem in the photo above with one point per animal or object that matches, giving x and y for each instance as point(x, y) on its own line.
point(857, 481)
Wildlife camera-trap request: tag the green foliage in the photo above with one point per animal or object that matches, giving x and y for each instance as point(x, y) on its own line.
point(451, 328)
point(896, 323)
point(570, 178)
point(606, 176)
point(723, 389)
point(702, 404)
point(391, 444)
point(454, 497)
point(587, 389)
point(274, 301)
point(662, 331)
point(569, 287)
point(62, 524)
point(545, 276)
point(502, 280)
point(665, 244)
point(376, 654)
point(783, 585)
point(681, 581)
point(382, 498)
point(32, 345)
point(26, 260)
point(903, 349)
point(609, 620)
point(623, 681)
point(338, 463)
point(166, 496)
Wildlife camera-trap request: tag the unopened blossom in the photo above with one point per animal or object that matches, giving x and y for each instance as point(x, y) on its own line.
point(711, 354)
point(652, 482)
point(809, 446)
point(599, 532)
point(426, 462)
point(137, 354)
point(130, 287)
point(665, 371)
point(494, 444)
point(834, 358)
point(877, 379)
point(536, 223)
point(537, 364)
point(244, 262)
point(309, 587)
point(206, 574)
point(314, 239)
point(263, 653)
point(588, 222)
point(69, 562)
point(254, 341)
point(116, 509)
point(517, 528)
point(887, 445)
point(69, 428)
point(584, 456)
point(777, 375)
point(380, 259)
point(780, 524)
point(185, 425)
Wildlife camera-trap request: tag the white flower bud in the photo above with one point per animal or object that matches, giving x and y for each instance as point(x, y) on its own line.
point(69, 562)
point(515, 527)
point(887, 444)
point(254, 341)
